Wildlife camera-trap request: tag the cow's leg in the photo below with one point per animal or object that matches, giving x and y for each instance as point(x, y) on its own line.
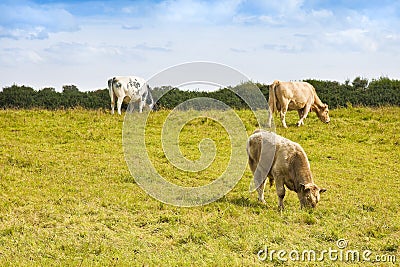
point(260, 191)
point(284, 109)
point(112, 104)
point(300, 112)
point(305, 111)
point(152, 101)
point(119, 104)
point(280, 191)
point(141, 105)
point(283, 117)
point(112, 97)
point(269, 117)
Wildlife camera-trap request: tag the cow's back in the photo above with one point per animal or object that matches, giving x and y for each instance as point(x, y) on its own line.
point(298, 94)
point(129, 85)
point(274, 150)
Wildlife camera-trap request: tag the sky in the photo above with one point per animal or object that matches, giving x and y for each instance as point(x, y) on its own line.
point(51, 43)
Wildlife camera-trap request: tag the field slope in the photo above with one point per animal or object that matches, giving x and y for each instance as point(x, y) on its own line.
point(67, 197)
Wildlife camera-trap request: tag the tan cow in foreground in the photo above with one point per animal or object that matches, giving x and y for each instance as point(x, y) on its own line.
point(284, 162)
point(300, 96)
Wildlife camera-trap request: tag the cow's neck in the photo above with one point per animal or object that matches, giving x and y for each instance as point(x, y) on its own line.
point(317, 105)
point(300, 169)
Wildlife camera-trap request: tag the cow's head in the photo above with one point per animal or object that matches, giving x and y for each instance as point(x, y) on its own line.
point(323, 113)
point(309, 195)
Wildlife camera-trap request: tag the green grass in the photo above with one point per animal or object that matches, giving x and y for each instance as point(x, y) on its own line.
point(67, 197)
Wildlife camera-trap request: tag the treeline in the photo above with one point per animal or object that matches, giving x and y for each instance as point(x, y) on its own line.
point(48, 98)
point(248, 92)
point(359, 92)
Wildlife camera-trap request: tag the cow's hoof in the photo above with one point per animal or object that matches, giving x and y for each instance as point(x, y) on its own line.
point(281, 207)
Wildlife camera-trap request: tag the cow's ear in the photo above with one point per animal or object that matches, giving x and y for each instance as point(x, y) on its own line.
point(322, 190)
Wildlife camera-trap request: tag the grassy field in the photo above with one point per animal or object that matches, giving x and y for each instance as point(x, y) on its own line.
point(67, 197)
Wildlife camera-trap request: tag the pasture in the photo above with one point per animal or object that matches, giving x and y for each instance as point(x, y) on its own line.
point(67, 197)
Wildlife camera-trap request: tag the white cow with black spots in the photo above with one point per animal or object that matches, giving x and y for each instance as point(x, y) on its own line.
point(135, 88)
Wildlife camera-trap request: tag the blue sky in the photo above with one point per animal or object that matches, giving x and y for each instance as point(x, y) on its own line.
point(52, 43)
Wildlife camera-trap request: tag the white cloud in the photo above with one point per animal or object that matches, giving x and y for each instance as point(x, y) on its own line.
point(29, 33)
point(145, 46)
point(357, 40)
point(34, 22)
point(16, 56)
point(285, 48)
point(192, 11)
point(131, 27)
point(129, 9)
point(321, 14)
point(238, 50)
point(80, 54)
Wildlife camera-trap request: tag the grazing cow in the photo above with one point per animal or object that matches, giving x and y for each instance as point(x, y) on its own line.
point(300, 96)
point(284, 162)
point(135, 88)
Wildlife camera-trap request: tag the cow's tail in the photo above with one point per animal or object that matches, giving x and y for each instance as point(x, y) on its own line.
point(252, 153)
point(112, 93)
point(111, 82)
point(110, 88)
point(254, 149)
point(272, 97)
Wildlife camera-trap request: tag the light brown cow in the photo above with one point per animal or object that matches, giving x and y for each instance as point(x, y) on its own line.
point(284, 162)
point(300, 96)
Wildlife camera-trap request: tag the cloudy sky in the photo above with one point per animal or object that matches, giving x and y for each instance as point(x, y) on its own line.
point(50, 43)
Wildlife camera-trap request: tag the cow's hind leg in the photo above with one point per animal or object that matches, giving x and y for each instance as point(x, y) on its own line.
point(112, 105)
point(259, 178)
point(119, 104)
point(270, 114)
point(141, 105)
point(260, 191)
point(283, 110)
point(112, 96)
point(283, 117)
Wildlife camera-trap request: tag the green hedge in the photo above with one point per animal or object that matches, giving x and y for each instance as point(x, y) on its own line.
point(377, 92)
point(360, 92)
